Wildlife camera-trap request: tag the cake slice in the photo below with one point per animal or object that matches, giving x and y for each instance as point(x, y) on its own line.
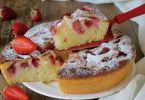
point(42, 68)
point(85, 25)
point(98, 69)
point(41, 64)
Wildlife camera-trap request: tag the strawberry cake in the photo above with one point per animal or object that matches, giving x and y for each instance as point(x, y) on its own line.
point(31, 57)
point(85, 25)
point(42, 54)
point(98, 69)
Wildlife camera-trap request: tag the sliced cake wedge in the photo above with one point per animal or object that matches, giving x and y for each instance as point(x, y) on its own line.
point(85, 25)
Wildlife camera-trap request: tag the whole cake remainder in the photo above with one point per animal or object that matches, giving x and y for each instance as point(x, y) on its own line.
point(42, 54)
point(85, 25)
point(97, 69)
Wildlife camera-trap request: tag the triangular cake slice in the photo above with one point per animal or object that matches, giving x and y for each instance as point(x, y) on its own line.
point(85, 25)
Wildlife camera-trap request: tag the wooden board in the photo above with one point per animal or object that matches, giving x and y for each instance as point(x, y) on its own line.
point(52, 10)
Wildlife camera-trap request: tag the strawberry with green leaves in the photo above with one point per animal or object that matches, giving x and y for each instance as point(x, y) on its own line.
point(35, 15)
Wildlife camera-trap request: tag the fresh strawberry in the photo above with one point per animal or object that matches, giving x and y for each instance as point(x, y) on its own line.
point(14, 93)
point(7, 13)
point(23, 45)
point(35, 15)
point(18, 29)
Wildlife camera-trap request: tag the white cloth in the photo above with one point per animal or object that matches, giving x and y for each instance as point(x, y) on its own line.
point(130, 91)
point(141, 94)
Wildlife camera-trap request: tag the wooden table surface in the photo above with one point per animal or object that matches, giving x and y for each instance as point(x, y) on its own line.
point(52, 10)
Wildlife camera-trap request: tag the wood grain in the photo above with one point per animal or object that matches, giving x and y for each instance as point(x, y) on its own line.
point(52, 10)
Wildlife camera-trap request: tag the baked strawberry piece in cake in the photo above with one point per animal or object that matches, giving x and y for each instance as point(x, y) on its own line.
point(85, 25)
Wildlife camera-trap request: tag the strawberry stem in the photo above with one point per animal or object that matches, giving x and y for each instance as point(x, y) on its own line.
point(8, 31)
point(33, 12)
point(1, 13)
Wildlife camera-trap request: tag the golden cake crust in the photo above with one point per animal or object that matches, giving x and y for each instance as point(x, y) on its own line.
point(93, 84)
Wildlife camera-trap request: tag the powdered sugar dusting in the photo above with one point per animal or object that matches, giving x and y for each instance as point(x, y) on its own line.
point(41, 33)
point(91, 62)
point(8, 53)
point(93, 13)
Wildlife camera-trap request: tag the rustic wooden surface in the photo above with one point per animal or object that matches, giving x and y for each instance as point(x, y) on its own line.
point(52, 10)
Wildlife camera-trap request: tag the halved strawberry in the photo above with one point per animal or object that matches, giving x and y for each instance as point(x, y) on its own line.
point(18, 29)
point(35, 15)
point(7, 13)
point(14, 93)
point(23, 45)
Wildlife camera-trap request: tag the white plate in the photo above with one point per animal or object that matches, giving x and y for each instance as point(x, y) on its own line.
point(52, 89)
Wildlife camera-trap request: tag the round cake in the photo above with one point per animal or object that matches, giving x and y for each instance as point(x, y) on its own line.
point(97, 69)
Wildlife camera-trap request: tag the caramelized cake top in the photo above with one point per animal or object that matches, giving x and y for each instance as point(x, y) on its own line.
point(102, 59)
